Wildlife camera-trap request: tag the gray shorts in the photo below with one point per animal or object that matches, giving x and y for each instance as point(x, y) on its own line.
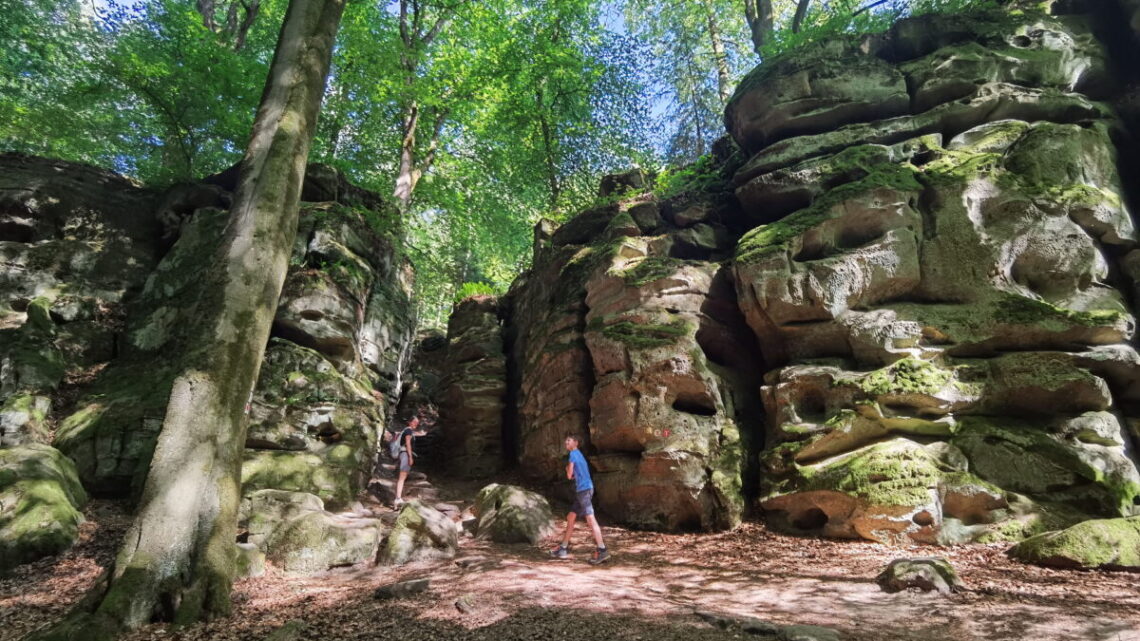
point(404, 465)
point(583, 503)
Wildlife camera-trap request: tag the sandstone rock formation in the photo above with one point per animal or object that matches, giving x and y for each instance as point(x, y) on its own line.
point(473, 391)
point(97, 283)
point(935, 281)
point(923, 260)
point(625, 333)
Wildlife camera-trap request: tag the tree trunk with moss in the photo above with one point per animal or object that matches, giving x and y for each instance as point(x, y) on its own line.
point(176, 562)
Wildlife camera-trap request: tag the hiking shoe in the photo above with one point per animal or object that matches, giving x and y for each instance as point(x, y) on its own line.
point(600, 556)
point(560, 552)
point(398, 503)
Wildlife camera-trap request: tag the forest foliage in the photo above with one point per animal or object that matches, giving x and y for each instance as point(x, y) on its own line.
point(477, 117)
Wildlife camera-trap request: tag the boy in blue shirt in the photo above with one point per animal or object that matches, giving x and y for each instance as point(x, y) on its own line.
point(579, 471)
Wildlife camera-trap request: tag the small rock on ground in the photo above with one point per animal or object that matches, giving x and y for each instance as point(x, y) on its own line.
point(401, 589)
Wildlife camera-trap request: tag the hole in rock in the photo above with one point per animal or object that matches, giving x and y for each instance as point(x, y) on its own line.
point(312, 315)
point(811, 405)
point(923, 518)
point(1022, 41)
point(16, 232)
point(695, 405)
point(812, 519)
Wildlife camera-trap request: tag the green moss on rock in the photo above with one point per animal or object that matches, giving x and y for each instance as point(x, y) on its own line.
point(1092, 544)
point(907, 376)
point(40, 499)
point(336, 482)
point(650, 269)
point(642, 335)
point(898, 473)
point(777, 236)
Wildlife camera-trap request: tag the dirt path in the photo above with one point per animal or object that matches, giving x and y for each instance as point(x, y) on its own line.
point(649, 591)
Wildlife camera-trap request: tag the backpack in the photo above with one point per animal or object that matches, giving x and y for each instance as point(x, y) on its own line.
point(395, 445)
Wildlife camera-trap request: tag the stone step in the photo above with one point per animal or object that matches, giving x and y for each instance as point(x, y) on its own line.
point(385, 490)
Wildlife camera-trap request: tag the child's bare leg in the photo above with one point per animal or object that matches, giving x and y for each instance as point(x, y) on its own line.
point(570, 518)
point(596, 529)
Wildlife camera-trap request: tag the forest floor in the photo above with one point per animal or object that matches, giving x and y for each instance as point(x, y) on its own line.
point(650, 590)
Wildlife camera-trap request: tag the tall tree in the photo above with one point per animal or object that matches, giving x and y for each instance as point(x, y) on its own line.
point(420, 24)
point(699, 51)
point(761, 21)
point(177, 558)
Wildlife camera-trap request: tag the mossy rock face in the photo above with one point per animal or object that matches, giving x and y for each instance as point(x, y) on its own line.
point(40, 499)
point(32, 363)
point(112, 432)
point(1022, 457)
point(813, 91)
point(336, 481)
point(1104, 543)
point(509, 514)
point(956, 292)
point(895, 491)
point(660, 404)
point(303, 403)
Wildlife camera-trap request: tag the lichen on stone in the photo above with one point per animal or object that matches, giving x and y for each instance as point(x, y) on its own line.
point(641, 335)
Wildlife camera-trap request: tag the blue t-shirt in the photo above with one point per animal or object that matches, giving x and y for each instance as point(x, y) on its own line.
point(581, 471)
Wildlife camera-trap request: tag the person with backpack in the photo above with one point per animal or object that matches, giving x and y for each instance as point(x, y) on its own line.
point(578, 470)
point(401, 447)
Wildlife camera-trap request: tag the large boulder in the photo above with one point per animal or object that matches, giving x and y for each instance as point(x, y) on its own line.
point(509, 514)
point(40, 499)
point(1102, 543)
point(293, 531)
point(420, 533)
point(317, 541)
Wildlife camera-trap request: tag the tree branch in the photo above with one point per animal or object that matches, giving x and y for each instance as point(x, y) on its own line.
point(801, 11)
point(868, 7)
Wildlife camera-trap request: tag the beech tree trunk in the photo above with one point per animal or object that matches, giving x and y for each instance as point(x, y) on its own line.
point(176, 561)
point(723, 81)
point(760, 21)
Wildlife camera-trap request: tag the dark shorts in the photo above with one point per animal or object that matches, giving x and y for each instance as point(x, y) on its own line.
point(405, 466)
point(583, 503)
